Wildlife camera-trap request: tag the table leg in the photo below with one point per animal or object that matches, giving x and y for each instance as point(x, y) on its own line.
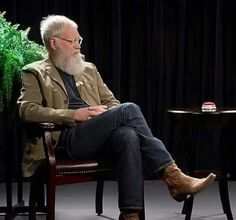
point(224, 168)
point(224, 196)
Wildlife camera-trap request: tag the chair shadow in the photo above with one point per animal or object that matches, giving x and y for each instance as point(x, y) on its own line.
point(107, 217)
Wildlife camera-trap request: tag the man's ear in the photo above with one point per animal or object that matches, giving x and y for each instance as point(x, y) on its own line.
point(52, 43)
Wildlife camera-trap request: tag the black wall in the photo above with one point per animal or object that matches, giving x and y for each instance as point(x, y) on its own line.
point(156, 53)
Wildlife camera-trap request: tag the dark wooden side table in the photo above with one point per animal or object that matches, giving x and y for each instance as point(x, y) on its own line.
point(192, 118)
point(12, 161)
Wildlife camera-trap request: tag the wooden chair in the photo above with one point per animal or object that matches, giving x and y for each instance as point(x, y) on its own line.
point(60, 172)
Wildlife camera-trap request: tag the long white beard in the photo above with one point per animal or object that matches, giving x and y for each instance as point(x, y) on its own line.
point(72, 65)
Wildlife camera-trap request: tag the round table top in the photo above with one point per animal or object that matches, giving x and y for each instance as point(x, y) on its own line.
point(195, 116)
point(197, 111)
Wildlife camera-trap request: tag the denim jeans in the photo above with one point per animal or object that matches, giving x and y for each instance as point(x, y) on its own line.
point(123, 134)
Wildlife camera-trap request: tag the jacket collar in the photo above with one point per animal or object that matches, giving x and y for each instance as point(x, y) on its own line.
point(51, 70)
point(53, 73)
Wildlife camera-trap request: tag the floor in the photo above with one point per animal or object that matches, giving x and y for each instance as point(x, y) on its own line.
point(76, 202)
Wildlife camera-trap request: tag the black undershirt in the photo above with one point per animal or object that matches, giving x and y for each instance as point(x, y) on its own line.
point(75, 100)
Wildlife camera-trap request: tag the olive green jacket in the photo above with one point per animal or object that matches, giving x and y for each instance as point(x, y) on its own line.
point(44, 98)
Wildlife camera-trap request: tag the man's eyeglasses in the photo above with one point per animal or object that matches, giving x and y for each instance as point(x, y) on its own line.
point(73, 42)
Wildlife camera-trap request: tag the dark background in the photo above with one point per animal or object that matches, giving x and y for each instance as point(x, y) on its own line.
point(156, 53)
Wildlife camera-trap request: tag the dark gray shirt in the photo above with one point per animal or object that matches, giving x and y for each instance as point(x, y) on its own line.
point(75, 100)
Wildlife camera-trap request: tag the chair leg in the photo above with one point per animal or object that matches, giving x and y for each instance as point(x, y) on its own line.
point(187, 208)
point(41, 198)
point(20, 192)
point(99, 197)
point(32, 200)
point(142, 212)
point(224, 196)
point(51, 192)
point(8, 215)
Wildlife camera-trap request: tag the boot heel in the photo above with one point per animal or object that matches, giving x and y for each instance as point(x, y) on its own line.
point(180, 198)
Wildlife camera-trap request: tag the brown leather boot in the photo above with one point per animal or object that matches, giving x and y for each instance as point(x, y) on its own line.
point(181, 186)
point(128, 216)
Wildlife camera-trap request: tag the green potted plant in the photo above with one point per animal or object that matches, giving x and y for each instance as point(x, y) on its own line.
point(16, 50)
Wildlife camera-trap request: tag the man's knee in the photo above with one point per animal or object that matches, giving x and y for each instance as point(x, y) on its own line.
point(131, 106)
point(130, 110)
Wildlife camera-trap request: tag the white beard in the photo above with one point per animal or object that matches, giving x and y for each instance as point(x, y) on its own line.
point(73, 65)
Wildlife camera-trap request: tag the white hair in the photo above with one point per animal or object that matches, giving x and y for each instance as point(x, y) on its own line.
point(53, 25)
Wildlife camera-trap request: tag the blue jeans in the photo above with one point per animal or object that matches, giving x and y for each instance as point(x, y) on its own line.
point(122, 133)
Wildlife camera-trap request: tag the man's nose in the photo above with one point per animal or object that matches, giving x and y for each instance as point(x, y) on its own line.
point(77, 46)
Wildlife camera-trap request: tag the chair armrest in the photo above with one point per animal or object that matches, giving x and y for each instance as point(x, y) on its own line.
point(46, 126)
point(44, 130)
point(49, 150)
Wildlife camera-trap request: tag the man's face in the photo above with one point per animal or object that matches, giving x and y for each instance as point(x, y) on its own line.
point(67, 51)
point(68, 41)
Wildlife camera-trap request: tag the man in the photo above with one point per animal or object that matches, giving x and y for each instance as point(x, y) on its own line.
point(64, 88)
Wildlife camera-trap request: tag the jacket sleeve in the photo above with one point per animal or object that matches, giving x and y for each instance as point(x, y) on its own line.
point(37, 98)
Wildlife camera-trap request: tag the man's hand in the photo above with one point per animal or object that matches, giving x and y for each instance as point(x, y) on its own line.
point(97, 110)
point(83, 114)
